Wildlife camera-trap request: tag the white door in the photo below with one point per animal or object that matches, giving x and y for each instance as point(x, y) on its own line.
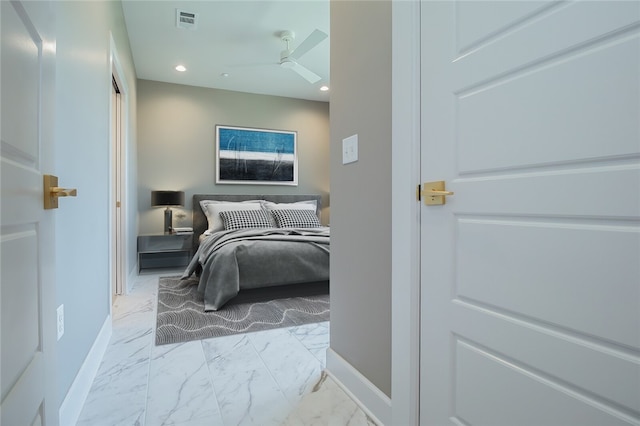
point(530, 275)
point(27, 293)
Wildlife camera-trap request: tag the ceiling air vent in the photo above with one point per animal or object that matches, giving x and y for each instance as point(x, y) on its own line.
point(187, 20)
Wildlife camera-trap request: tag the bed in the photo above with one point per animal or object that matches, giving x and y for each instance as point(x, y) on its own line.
point(254, 246)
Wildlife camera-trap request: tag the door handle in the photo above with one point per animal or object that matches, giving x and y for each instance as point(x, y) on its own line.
point(434, 193)
point(52, 192)
point(62, 192)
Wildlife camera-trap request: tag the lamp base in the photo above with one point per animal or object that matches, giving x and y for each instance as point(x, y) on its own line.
point(168, 220)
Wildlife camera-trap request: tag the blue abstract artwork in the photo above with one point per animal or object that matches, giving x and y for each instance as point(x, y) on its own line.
point(256, 156)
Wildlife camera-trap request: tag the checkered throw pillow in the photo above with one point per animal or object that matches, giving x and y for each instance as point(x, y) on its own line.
point(296, 218)
point(240, 219)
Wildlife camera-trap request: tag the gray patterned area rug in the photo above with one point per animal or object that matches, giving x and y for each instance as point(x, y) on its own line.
point(181, 316)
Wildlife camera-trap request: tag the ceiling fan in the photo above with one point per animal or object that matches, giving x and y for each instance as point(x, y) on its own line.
point(289, 57)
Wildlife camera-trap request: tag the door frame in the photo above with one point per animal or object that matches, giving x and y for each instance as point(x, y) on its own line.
point(405, 241)
point(117, 178)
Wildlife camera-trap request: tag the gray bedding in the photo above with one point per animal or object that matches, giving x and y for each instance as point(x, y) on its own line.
point(252, 258)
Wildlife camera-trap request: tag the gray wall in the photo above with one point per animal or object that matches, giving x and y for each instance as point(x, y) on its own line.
point(361, 191)
point(83, 91)
point(176, 144)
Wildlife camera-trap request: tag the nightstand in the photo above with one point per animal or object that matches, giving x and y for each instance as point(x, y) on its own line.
point(164, 251)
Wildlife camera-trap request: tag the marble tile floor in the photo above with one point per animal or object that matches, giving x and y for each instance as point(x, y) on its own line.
point(273, 377)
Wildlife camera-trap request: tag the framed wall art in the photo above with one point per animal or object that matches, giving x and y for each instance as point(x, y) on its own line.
point(256, 156)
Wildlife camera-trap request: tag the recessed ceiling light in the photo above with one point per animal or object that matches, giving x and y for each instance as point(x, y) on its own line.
point(324, 88)
point(224, 74)
point(181, 68)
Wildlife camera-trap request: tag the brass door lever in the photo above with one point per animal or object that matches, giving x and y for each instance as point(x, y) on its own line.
point(434, 193)
point(62, 192)
point(52, 192)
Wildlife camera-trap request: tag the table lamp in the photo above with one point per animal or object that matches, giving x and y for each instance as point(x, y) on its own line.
point(167, 198)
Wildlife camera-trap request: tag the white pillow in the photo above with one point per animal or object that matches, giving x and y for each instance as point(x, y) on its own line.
point(300, 205)
point(212, 209)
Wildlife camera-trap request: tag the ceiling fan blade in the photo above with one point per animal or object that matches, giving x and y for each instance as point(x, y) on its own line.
point(308, 75)
point(309, 43)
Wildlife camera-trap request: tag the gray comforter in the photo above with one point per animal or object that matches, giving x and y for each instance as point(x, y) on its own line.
point(251, 258)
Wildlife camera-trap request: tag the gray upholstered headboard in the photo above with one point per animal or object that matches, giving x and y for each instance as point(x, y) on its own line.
point(200, 223)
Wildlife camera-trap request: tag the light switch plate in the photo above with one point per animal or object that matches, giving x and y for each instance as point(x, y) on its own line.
point(350, 149)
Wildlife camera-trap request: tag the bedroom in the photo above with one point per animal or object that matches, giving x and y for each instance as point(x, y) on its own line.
point(177, 121)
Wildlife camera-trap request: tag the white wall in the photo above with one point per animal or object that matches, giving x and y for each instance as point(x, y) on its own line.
point(176, 144)
point(83, 90)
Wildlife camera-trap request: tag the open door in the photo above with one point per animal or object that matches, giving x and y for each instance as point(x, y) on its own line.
point(530, 285)
point(118, 214)
point(27, 240)
point(117, 163)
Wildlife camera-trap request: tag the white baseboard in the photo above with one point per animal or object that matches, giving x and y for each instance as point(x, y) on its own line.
point(74, 401)
point(372, 400)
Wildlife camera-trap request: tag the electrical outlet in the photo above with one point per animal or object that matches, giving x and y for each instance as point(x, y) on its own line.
point(60, 321)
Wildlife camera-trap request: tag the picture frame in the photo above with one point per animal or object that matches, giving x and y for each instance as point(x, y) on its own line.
point(246, 155)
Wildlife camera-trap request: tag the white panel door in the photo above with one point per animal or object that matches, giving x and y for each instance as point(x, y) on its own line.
point(530, 273)
point(27, 294)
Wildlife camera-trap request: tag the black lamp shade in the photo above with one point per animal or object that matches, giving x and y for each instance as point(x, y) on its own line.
point(167, 198)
